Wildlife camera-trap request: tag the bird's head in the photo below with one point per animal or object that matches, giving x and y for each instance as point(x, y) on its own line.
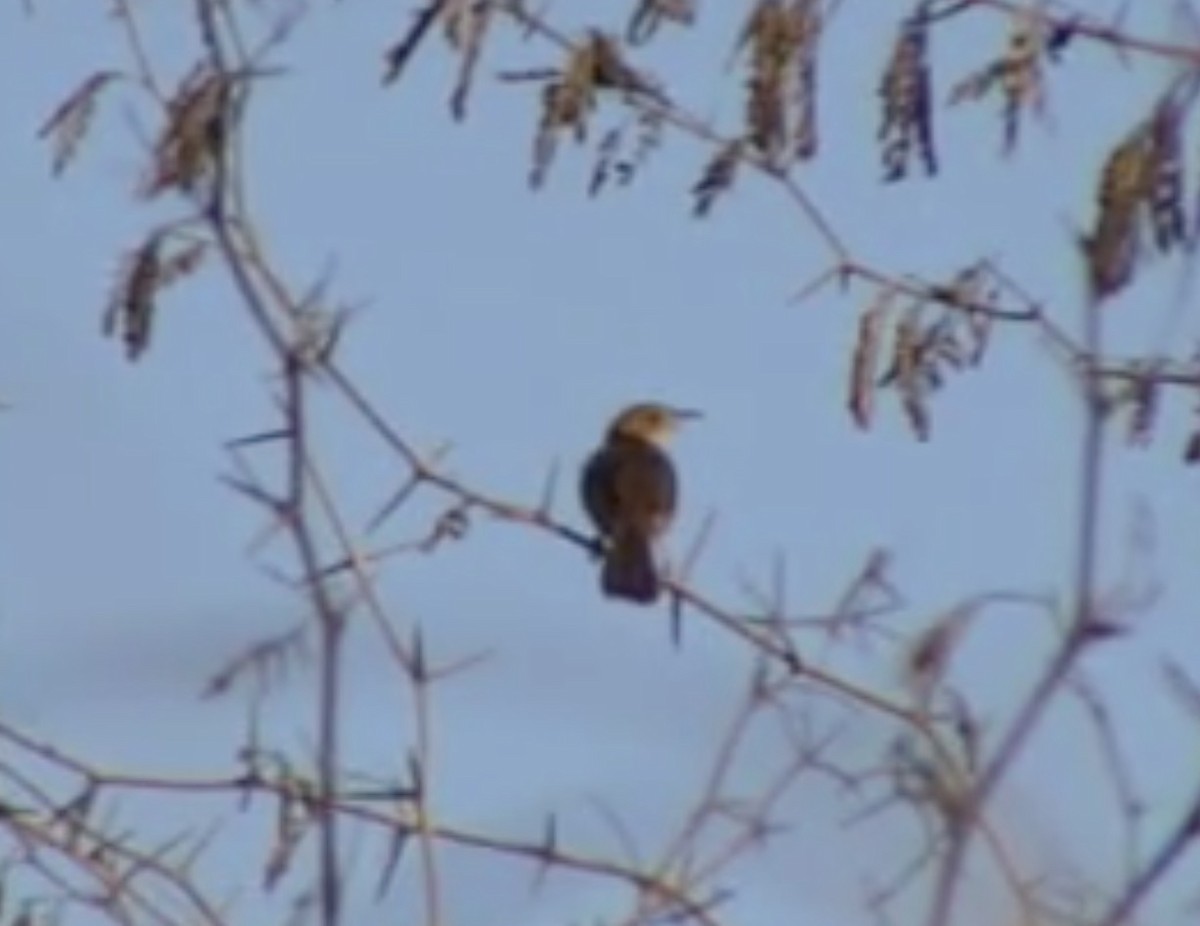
point(649, 421)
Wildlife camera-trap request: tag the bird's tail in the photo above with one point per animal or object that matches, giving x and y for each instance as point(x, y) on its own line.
point(628, 570)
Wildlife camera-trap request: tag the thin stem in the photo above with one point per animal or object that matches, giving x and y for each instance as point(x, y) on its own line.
point(1073, 643)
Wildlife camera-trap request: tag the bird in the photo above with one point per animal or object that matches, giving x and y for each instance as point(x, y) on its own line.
point(630, 490)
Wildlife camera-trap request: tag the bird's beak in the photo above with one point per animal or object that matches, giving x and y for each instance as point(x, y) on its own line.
point(682, 415)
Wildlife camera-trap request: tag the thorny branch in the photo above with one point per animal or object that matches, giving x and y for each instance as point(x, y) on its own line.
point(938, 327)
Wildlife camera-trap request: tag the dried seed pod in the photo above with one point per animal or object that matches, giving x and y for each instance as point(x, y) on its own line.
point(650, 14)
point(1144, 414)
point(1164, 184)
point(613, 161)
point(396, 58)
point(606, 156)
point(865, 359)
point(1142, 182)
point(928, 658)
point(906, 94)
point(467, 24)
point(1111, 248)
point(781, 87)
point(570, 97)
point(612, 71)
point(1020, 74)
point(808, 25)
point(68, 125)
point(575, 95)
point(292, 822)
point(910, 371)
point(566, 103)
point(770, 38)
point(942, 344)
point(146, 272)
point(1017, 73)
point(967, 293)
point(980, 325)
point(975, 86)
point(194, 135)
point(132, 305)
point(1059, 36)
point(718, 176)
point(647, 141)
point(1142, 394)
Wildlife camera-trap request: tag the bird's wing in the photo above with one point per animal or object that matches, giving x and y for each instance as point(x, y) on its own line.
point(598, 489)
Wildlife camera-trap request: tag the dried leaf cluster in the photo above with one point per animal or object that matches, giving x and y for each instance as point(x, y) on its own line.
point(1140, 184)
point(906, 93)
point(717, 178)
point(908, 338)
point(934, 329)
point(928, 657)
point(194, 134)
point(1140, 393)
point(781, 120)
point(620, 156)
point(464, 24)
point(147, 271)
point(1017, 74)
point(68, 125)
point(648, 15)
point(906, 89)
point(295, 813)
point(570, 95)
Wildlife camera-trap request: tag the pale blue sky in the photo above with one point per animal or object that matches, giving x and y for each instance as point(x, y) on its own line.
point(513, 324)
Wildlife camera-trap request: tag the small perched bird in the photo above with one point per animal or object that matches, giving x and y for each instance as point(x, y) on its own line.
point(630, 490)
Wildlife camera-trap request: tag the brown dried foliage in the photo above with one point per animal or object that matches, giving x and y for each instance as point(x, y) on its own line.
point(465, 24)
point(194, 135)
point(718, 177)
point(397, 57)
point(865, 358)
point(69, 123)
point(1142, 180)
point(941, 329)
point(928, 657)
point(650, 14)
point(146, 272)
point(616, 158)
point(912, 372)
point(1017, 73)
point(781, 99)
point(1142, 393)
point(570, 96)
point(907, 97)
point(293, 821)
point(1166, 193)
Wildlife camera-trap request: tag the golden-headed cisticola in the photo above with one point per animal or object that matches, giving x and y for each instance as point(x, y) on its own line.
point(630, 490)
